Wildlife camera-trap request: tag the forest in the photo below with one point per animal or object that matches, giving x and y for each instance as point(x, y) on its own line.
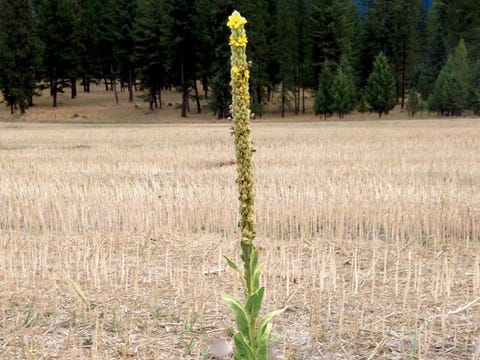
point(365, 55)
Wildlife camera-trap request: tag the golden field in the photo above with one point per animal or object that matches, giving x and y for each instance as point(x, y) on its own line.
point(112, 238)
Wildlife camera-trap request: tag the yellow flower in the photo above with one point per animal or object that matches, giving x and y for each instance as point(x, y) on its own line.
point(240, 41)
point(235, 20)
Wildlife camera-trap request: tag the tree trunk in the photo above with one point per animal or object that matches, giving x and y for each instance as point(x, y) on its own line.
point(303, 100)
point(74, 88)
point(151, 100)
point(106, 82)
point(160, 97)
point(114, 84)
point(205, 87)
point(197, 97)
point(184, 100)
point(283, 99)
point(297, 100)
point(130, 83)
point(184, 91)
point(54, 93)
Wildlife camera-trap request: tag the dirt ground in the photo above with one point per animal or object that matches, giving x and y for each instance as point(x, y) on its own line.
point(113, 232)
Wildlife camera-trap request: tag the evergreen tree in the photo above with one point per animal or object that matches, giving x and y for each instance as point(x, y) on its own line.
point(392, 28)
point(474, 97)
point(149, 52)
point(19, 49)
point(218, 68)
point(405, 43)
point(286, 51)
point(435, 51)
point(57, 28)
point(126, 22)
point(323, 103)
point(450, 95)
point(181, 47)
point(413, 102)
point(380, 90)
point(343, 92)
point(333, 29)
point(462, 21)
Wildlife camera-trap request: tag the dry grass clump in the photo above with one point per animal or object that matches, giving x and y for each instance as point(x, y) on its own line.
point(112, 239)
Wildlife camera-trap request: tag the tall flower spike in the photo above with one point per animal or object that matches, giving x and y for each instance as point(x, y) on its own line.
point(251, 340)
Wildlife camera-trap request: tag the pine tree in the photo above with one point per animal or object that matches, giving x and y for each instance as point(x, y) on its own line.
point(218, 68)
point(58, 31)
point(286, 51)
point(126, 21)
point(181, 50)
point(323, 97)
point(392, 28)
point(474, 96)
point(343, 92)
point(380, 90)
point(333, 29)
point(149, 51)
point(435, 48)
point(413, 102)
point(19, 53)
point(451, 92)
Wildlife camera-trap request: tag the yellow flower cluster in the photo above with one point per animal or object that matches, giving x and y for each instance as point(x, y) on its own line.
point(240, 76)
point(235, 21)
point(239, 41)
point(241, 124)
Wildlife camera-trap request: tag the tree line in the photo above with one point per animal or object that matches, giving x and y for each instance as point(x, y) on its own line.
point(392, 52)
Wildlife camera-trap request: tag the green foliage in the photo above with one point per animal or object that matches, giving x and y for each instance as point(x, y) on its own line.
point(343, 92)
point(19, 53)
point(181, 46)
point(333, 29)
point(451, 92)
point(58, 31)
point(167, 43)
point(220, 99)
point(214, 67)
point(413, 102)
point(392, 27)
point(252, 339)
point(149, 50)
point(323, 97)
point(362, 106)
point(474, 97)
point(380, 91)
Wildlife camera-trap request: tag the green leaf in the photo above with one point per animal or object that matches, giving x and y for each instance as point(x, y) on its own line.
point(254, 258)
point(267, 318)
point(243, 350)
point(232, 265)
point(241, 316)
point(256, 278)
point(254, 303)
point(264, 330)
point(262, 340)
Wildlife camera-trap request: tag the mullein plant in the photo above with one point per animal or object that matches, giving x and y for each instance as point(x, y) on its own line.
point(253, 334)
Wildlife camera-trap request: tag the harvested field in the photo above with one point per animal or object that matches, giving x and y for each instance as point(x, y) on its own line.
point(112, 239)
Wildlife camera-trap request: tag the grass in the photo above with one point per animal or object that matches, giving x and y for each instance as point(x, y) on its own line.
point(112, 238)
